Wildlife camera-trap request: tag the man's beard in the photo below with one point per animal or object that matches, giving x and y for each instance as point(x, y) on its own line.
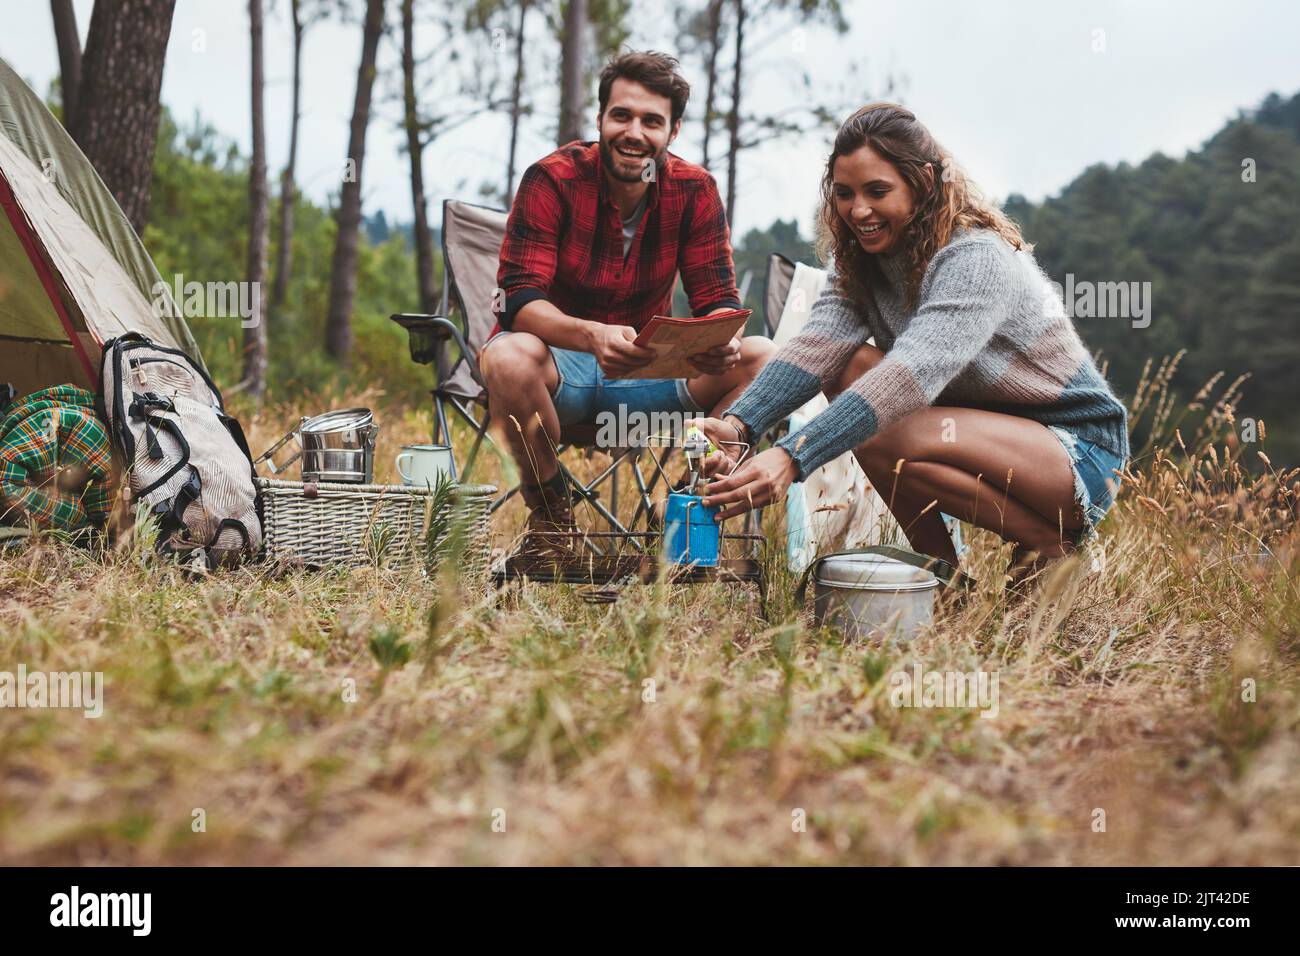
point(611, 160)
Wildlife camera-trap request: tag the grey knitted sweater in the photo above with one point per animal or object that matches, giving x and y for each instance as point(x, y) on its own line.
point(988, 331)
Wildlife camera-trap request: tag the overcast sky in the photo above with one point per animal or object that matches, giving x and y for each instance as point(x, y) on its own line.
point(1024, 93)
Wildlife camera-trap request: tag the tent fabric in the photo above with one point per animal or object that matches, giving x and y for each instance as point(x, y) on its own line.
point(45, 275)
point(104, 280)
point(25, 309)
point(110, 301)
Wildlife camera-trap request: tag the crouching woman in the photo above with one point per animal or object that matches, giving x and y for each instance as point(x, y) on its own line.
point(977, 398)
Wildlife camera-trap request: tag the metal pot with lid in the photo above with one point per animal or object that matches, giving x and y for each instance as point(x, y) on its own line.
point(335, 446)
point(873, 592)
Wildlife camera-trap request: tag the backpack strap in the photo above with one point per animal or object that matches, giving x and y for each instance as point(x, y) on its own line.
point(139, 409)
point(237, 433)
point(167, 425)
point(171, 514)
point(237, 525)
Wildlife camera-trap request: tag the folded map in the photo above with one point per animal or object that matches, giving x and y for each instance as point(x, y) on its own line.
point(675, 340)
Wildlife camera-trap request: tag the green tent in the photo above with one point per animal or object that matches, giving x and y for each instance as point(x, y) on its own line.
point(73, 273)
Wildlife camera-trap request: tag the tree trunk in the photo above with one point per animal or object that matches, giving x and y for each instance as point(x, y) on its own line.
point(711, 72)
point(254, 377)
point(288, 192)
point(69, 41)
point(733, 117)
point(116, 118)
point(572, 72)
point(516, 106)
point(415, 147)
point(343, 279)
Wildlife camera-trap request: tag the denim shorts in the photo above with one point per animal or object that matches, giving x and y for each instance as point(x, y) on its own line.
point(1096, 477)
point(584, 392)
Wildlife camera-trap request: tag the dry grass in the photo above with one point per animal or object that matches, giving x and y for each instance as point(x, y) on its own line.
point(1120, 689)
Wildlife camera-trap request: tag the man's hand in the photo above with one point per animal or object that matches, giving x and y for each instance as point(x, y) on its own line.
point(615, 351)
point(717, 360)
point(758, 482)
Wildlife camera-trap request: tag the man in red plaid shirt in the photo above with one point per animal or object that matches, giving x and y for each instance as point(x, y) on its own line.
point(597, 235)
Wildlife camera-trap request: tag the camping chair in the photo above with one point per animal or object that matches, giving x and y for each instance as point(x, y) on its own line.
point(471, 245)
point(776, 288)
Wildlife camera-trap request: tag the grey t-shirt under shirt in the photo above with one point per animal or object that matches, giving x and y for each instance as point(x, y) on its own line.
point(630, 225)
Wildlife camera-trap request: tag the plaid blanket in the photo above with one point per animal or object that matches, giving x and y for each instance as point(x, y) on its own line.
point(54, 461)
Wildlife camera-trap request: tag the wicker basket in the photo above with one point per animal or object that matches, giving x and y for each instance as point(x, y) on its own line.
point(359, 525)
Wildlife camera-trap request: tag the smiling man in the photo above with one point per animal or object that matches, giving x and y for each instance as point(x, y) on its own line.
point(596, 238)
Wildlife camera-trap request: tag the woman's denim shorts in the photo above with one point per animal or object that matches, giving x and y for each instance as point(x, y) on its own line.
point(1096, 476)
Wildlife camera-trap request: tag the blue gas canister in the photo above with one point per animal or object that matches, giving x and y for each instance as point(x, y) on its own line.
point(690, 533)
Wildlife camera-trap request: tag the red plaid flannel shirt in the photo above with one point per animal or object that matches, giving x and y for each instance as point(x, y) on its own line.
point(564, 243)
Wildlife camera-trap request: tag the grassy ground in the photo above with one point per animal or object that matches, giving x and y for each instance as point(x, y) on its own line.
point(519, 728)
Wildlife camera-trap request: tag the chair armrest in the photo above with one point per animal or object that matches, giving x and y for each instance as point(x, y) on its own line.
point(426, 334)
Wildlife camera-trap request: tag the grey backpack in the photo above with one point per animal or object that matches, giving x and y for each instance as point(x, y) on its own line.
point(187, 460)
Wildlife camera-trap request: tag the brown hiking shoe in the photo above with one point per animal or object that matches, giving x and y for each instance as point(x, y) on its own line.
point(551, 527)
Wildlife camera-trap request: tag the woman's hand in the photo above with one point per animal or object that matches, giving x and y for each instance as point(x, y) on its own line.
point(761, 480)
point(729, 436)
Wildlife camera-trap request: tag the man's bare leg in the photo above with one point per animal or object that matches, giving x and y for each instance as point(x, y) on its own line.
point(521, 377)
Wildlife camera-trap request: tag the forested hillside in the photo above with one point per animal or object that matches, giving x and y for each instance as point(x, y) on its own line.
point(1216, 234)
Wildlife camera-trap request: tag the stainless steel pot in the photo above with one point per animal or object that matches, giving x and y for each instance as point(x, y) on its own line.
point(336, 446)
point(339, 446)
point(873, 596)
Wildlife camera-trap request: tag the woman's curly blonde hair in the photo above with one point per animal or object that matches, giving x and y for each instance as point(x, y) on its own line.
point(944, 200)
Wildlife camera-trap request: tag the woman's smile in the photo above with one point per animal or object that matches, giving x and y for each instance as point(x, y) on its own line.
point(870, 234)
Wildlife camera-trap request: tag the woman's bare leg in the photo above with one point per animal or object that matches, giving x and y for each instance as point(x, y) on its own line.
point(1001, 472)
point(919, 517)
